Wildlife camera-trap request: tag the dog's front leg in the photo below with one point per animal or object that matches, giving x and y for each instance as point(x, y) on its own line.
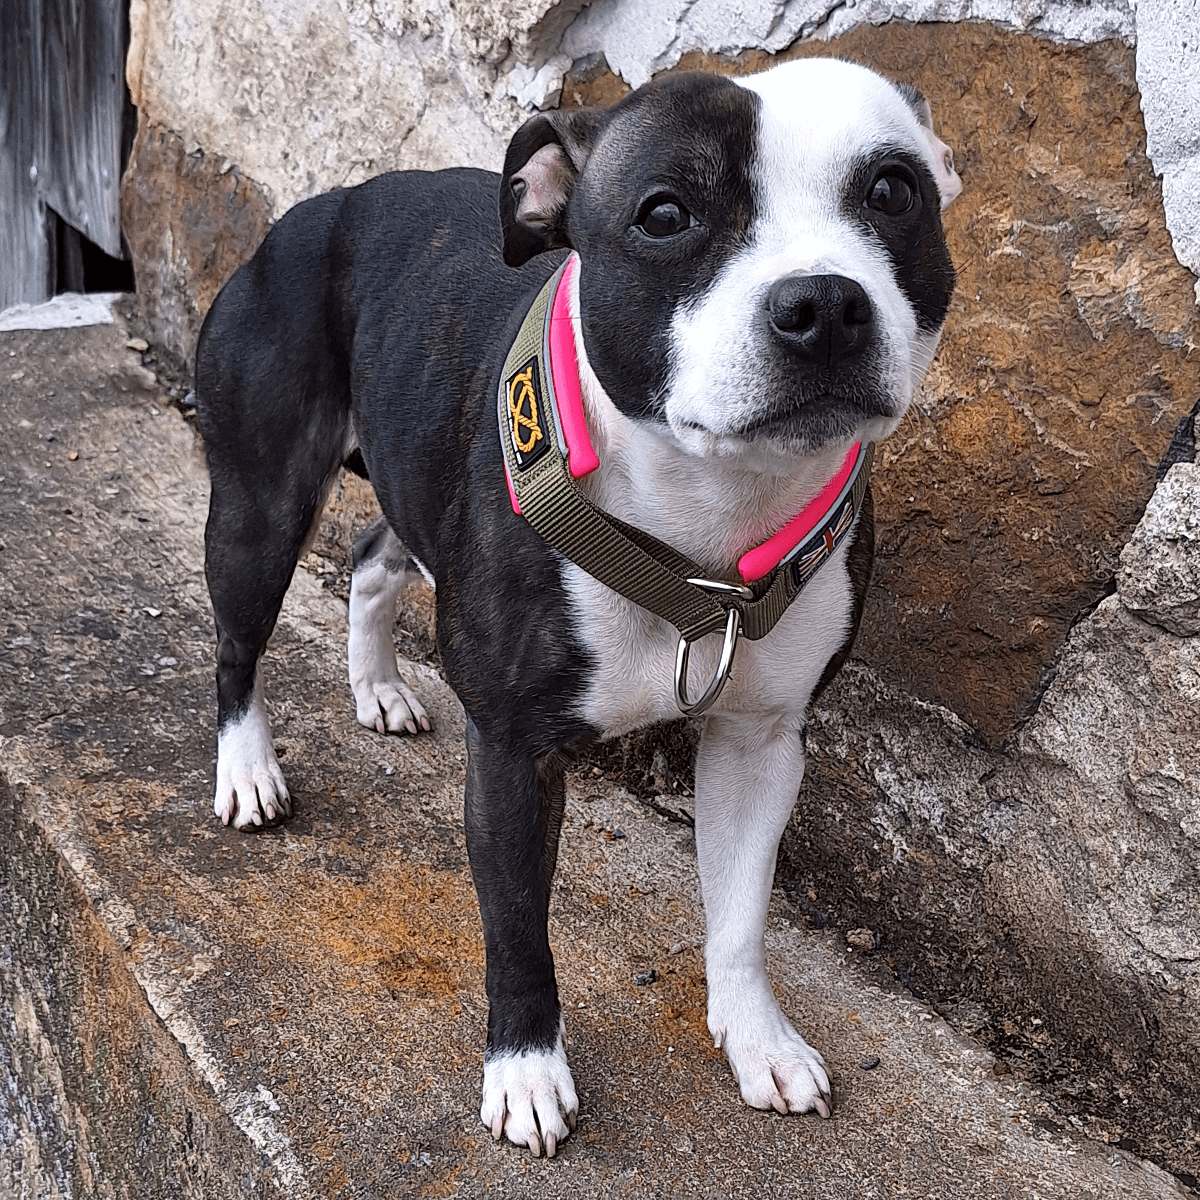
point(748, 772)
point(514, 809)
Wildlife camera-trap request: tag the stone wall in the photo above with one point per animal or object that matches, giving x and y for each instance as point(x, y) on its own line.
point(1067, 360)
point(190, 219)
point(1005, 785)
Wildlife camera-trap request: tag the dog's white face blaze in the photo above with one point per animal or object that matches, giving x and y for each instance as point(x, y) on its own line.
point(817, 119)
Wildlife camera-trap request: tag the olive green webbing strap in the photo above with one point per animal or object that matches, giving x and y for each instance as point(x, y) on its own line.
point(630, 561)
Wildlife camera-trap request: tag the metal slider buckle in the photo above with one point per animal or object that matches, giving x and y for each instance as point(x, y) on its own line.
point(733, 627)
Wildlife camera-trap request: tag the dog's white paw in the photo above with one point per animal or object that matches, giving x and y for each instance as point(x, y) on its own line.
point(250, 786)
point(774, 1066)
point(382, 700)
point(530, 1098)
point(387, 705)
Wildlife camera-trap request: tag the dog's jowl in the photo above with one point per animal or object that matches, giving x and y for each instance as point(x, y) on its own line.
point(617, 403)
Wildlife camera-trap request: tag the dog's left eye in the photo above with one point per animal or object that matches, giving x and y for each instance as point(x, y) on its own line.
point(663, 216)
point(890, 194)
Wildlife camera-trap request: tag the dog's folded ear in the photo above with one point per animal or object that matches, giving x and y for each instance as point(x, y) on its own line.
point(948, 181)
point(544, 159)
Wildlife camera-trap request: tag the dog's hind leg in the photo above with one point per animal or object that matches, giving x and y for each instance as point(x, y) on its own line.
point(252, 546)
point(262, 511)
point(381, 569)
point(273, 402)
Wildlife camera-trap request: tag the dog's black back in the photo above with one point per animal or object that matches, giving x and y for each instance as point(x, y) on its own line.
point(337, 312)
point(324, 340)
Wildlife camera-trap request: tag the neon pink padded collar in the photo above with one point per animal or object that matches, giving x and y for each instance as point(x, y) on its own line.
point(582, 458)
point(564, 369)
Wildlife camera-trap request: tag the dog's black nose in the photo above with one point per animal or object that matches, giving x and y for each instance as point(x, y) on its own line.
point(820, 318)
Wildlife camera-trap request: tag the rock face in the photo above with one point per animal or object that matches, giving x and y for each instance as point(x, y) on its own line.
point(1160, 567)
point(1168, 35)
point(96, 1099)
point(1048, 898)
point(1067, 362)
point(639, 40)
point(309, 96)
point(190, 221)
point(1121, 718)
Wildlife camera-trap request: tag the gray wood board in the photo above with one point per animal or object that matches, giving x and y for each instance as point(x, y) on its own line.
point(62, 96)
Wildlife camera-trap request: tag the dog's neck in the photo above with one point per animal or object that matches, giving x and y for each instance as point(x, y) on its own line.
point(711, 508)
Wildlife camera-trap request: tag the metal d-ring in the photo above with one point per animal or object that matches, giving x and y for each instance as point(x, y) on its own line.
point(723, 588)
point(733, 627)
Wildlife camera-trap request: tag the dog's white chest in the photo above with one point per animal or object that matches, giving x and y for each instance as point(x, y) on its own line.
point(633, 653)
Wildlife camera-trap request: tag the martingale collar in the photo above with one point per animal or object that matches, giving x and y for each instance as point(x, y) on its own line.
point(546, 446)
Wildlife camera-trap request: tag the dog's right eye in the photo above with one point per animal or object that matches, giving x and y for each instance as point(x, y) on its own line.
point(663, 216)
point(891, 194)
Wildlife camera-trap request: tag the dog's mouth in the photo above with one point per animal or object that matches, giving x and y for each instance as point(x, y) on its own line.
point(828, 416)
point(776, 417)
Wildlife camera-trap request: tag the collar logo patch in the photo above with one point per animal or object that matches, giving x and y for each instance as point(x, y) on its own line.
point(836, 528)
point(524, 418)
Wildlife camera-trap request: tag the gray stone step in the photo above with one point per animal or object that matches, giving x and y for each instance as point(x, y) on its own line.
point(188, 1011)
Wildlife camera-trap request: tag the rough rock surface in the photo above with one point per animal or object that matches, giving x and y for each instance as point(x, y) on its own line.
point(638, 40)
point(1067, 362)
point(1121, 717)
point(191, 219)
point(97, 1099)
point(1168, 64)
point(324, 979)
point(1047, 899)
point(309, 96)
point(1159, 578)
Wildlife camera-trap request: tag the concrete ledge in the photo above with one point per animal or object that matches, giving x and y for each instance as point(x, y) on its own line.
point(312, 997)
point(97, 1098)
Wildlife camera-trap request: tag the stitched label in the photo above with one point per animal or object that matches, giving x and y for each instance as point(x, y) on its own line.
point(526, 425)
point(827, 539)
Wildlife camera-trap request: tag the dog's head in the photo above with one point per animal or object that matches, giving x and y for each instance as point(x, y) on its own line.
point(763, 263)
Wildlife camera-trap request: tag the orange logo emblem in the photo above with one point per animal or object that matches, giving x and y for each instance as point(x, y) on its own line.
point(523, 411)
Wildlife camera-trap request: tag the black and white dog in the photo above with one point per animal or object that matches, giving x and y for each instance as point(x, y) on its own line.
point(761, 282)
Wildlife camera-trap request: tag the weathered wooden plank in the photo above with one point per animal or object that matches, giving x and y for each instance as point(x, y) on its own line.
point(62, 98)
point(26, 258)
point(79, 122)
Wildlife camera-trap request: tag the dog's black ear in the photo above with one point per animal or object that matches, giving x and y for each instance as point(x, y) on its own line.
point(948, 180)
point(915, 99)
point(544, 159)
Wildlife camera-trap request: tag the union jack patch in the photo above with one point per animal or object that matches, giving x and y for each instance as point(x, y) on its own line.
point(824, 542)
